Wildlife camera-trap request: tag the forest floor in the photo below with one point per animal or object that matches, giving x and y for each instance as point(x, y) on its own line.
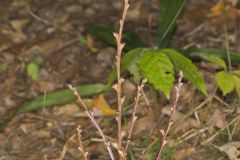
point(50, 29)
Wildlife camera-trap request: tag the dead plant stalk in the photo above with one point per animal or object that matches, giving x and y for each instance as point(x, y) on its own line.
point(90, 115)
point(117, 87)
point(81, 147)
point(170, 122)
point(134, 117)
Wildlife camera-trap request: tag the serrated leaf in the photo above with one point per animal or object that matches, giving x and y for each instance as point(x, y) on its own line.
point(225, 82)
point(134, 70)
point(128, 59)
point(168, 14)
point(32, 70)
point(189, 70)
point(215, 59)
point(237, 84)
point(159, 70)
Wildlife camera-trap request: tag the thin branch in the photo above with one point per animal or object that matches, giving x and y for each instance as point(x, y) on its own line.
point(90, 115)
point(81, 148)
point(120, 45)
point(170, 122)
point(134, 117)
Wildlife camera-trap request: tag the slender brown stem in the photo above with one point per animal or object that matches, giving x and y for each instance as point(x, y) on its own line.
point(81, 147)
point(134, 117)
point(120, 45)
point(90, 115)
point(170, 122)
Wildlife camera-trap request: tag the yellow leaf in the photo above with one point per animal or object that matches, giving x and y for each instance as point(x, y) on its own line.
point(217, 9)
point(101, 103)
point(237, 84)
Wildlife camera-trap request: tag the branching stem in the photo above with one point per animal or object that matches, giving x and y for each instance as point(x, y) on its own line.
point(170, 122)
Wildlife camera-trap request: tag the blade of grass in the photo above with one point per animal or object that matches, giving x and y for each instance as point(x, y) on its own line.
point(168, 14)
point(130, 37)
point(196, 54)
point(55, 98)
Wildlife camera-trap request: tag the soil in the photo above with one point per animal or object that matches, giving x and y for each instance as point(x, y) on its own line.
point(50, 29)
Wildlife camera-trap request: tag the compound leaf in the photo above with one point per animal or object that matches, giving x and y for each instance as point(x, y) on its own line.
point(237, 84)
point(158, 69)
point(215, 59)
point(189, 70)
point(225, 82)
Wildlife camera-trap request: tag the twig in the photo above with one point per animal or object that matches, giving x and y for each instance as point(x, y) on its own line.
point(217, 133)
point(191, 134)
point(48, 22)
point(81, 148)
point(90, 115)
point(134, 117)
point(117, 87)
point(170, 122)
point(65, 147)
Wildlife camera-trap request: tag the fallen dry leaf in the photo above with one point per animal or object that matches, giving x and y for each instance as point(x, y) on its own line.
point(41, 133)
point(44, 86)
point(19, 24)
point(217, 119)
point(224, 12)
point(144, 124)
point(101, 104)
point(67, 109)
point(128, 89)
point(217, 9)
point(184, 153)
point(232, 150)
point(184, 125)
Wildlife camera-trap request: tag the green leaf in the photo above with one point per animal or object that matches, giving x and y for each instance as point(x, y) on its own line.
point(134, 70)
point(197, 53)
point(189, 70)
point(105, 33)
point(128, 59)
point(237, 84)
point(150, 155)
point(225, 82)
point(215, 59)
point(55, 98)
point(168, 14)
point(60, 97)
point(159, 70)
point(32, 70)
